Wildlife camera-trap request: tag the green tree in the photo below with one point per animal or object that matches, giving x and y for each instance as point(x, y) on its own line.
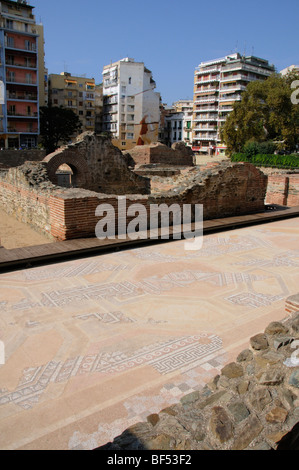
point(265, 113)
point(57, 126)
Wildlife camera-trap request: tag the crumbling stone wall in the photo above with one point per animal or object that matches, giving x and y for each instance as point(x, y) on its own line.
point(157, 153)
point(97, 166)
point(251, 405)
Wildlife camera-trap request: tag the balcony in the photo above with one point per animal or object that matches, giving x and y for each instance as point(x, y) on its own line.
point(21, 66)
point(248, 68)
point(21, 96)
point(18, 81)
point(232, 98)
point(234, 78)
point(22, 130)
point(207, 80)
point(208, 99)
point(206, 128)
point(206, 119)
point(12, 114)
point(206, 90)
point(230, 89)
point(207, 70)
point(27, 48)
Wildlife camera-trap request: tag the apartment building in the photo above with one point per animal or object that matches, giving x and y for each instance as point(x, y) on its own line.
point(185, 107)
point(218, 84)
point(291, 68)
point(22, 72)
point(75, 93)
point(131, 107)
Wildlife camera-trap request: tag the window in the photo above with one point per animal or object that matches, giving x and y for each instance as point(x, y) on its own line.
point(70, 103)
point(10, 60)
point(11, 76)
point(70, 94)
point(123, 89)
point(9, 24)
point(28, 78)
point(130, 135)
point(55, 101)
point(123, 144)
point(80, 113)
point(10, 41)
point(12, 110)
point(130, 80)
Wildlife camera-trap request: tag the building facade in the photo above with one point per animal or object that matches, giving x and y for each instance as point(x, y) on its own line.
point(75, 93)
point(21, 75)
point(218, 84)
point(185, 107)
point(131, 107)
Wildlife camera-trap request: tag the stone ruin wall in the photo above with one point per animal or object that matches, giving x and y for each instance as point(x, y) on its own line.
point(178, 155)
point(98, 166)
point(253, 404)
point(62, 213)
point(283, 189)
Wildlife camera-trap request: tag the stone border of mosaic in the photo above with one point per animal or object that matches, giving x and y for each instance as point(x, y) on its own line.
point(253, 404)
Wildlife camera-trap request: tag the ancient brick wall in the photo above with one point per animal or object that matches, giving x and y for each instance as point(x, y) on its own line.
point(283, 190)
point(63, 213)
point(97, 166)
point(160, 154)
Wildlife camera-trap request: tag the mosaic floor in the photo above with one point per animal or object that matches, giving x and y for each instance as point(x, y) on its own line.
point(95, 345)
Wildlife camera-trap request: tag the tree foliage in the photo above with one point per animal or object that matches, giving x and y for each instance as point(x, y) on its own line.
point(265, 113)
point(57, 126)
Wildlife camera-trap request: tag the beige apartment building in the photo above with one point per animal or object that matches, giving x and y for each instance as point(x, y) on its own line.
point(76, 93)
point(131, 107)
point(218, 84)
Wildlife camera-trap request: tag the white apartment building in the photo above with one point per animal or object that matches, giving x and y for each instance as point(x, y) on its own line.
point(131, 107)
point(185, 107)
point(291, 68)
point(218, 84)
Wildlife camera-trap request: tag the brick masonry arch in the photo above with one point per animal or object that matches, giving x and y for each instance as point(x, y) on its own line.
point(76, 162)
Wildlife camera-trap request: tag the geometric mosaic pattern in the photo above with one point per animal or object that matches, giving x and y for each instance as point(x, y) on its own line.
point(121, 291)
point(94, 345)
point(165, 357)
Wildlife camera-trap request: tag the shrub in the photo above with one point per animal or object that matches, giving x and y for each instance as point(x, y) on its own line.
point(274, 161)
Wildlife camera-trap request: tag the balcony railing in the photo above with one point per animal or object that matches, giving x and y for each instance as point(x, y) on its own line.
point(26, 130)
point(232, 98)
point(208, 99)
point(23, 66)
point(22, 115)
point(21, 97)
point(248, 67)
point(206, 90)
point(18, 81)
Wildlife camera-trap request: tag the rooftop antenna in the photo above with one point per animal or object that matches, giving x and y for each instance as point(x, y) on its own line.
point(245, 49)
point(252, 50)
point(236, 48)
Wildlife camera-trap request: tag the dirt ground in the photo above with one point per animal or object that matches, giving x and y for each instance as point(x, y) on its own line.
point(15, 234)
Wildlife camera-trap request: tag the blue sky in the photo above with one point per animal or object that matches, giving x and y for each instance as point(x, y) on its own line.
point(170, 36)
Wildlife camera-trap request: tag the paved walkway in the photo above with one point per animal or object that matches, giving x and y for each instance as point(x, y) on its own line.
point(95, 345)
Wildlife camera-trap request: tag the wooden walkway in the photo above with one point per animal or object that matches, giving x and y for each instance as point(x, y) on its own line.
point(70, 249)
